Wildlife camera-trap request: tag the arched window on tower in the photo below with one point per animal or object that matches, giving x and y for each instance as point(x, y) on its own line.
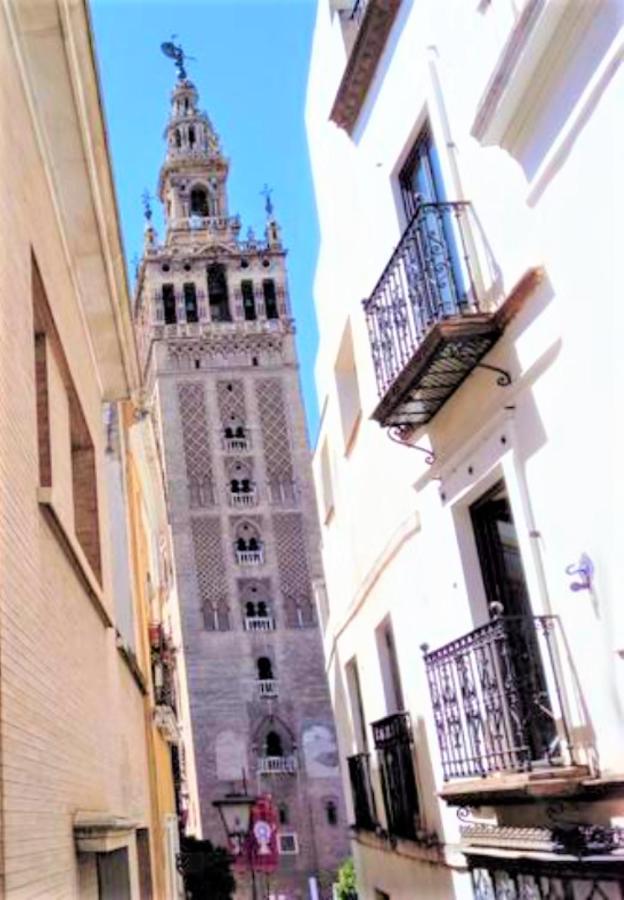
point(270, 299)
point(199, 201)
point(331, 812)
point(254, 598)
point(265, 669)
point(273, 744)
point(218, 294)
point(190, 302)
point(217, 615)
point(169, 304)
point(178, 138)
point(249, 301)
point(242, 487)
point(191, 136)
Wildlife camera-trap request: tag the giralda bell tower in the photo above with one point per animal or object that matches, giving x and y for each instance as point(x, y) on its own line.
point(216, 338)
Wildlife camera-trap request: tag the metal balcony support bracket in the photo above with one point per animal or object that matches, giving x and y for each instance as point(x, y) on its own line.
point(399, 435)
point(461, 353)
point(504, 378)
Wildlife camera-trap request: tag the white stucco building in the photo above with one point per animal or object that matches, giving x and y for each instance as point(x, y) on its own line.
point(466, 166)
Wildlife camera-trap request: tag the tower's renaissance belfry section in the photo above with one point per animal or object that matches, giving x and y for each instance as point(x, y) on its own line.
point(216, 340)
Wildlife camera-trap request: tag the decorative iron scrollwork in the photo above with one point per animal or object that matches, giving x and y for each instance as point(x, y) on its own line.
point(504, 378)
point(400, 433)
point(492, 706)
point(581, 838)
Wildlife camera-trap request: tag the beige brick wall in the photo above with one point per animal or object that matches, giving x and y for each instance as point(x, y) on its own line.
point(72, 734)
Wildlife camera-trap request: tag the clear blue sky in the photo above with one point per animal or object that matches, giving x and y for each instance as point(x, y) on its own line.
point(250, 70)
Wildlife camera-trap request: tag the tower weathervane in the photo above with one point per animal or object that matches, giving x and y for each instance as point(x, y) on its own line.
point(268, 203)
point(177, 54)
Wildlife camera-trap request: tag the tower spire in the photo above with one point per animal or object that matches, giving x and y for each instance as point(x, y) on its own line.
point(192, 183)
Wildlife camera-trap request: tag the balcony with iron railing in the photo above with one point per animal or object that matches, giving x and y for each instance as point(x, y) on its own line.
point(393, 743)
point(259, 623)
point(366, 25)
point(243, 499)
point(267, 688)
point(428, 325)
point(237, 444)
point(364, 812)
point(250, 557)
point(500, 697)
point(277, 765)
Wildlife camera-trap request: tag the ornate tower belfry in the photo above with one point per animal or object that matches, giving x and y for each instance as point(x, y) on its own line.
point(193, 179)
point(216, 341)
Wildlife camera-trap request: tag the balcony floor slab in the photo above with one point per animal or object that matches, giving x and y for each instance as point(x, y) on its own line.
point(444, 359)
point(516, 787)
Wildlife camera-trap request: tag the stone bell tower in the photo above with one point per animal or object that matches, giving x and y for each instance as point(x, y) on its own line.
point(216, 339)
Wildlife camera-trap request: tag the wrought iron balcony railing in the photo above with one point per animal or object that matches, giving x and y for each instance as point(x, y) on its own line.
point(259, 623)
point(243, 498)
point(393, 742)
point(427, 327)
point(236, 444)
point(277, 765)
point(362, 791)
point(498, 698)
point(267, 687)
point(250, 557)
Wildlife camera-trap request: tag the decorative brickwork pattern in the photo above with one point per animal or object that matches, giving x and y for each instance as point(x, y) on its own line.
point(274, 430)
point(194, 418)
point(231, 400)
point(210, 568)
point(293, 569)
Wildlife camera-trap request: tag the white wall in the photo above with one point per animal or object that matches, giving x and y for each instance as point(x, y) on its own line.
point(547, 197)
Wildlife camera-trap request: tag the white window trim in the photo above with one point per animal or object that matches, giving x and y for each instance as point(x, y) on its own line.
point(287, 834)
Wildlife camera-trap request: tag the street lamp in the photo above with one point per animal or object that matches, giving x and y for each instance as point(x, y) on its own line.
point(235, 812)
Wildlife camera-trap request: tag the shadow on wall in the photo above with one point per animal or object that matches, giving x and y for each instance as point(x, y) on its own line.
point(563, 86)
point(431, 819)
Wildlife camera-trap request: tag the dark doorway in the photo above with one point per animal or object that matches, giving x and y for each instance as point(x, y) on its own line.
point(499, 553)
point(508, 601)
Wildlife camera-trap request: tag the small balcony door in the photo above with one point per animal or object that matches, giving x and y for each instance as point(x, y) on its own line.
point(499, 553)
point(421, 178)
point(507, 596)
point(433, 266)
